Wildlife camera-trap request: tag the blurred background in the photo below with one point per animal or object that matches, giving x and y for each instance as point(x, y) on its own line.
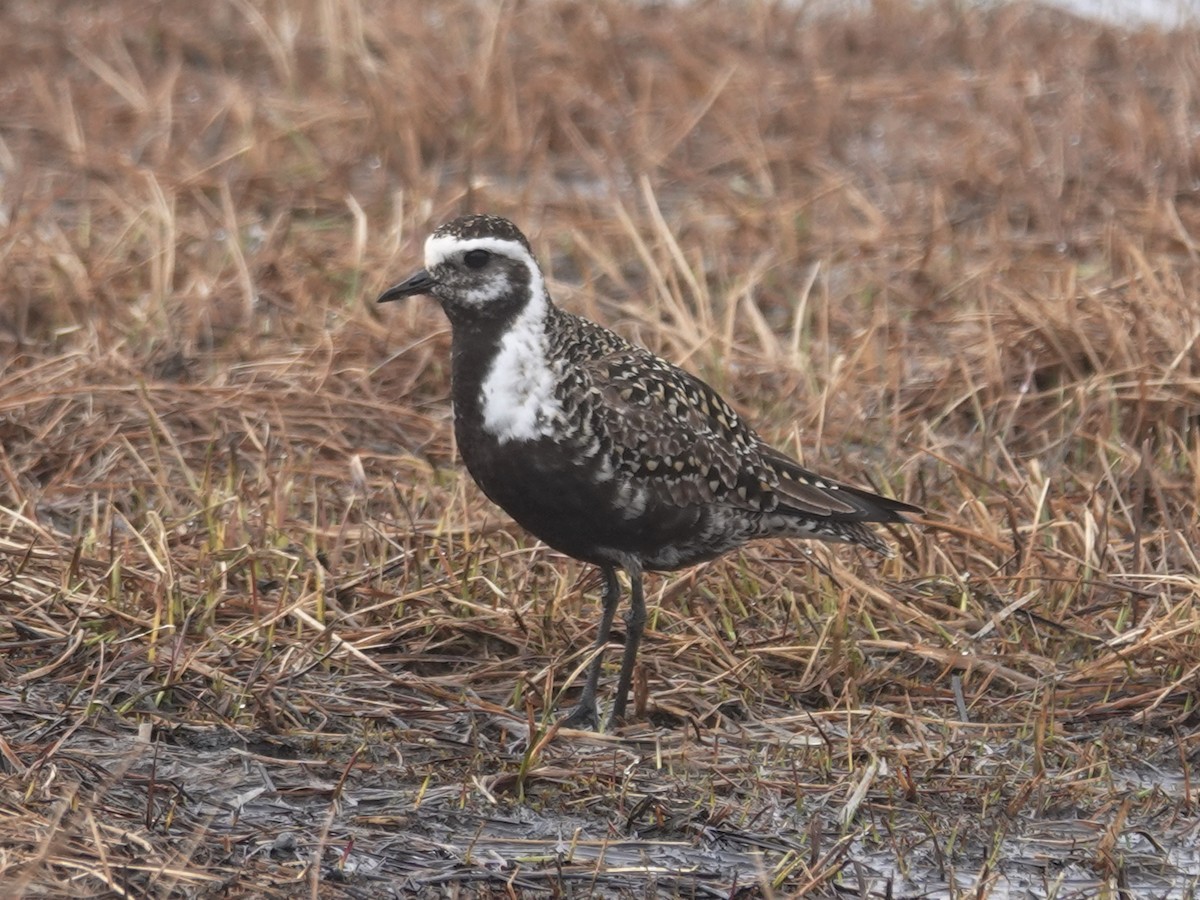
point(945, 249)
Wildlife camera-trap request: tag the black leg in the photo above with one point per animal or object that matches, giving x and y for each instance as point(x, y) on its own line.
point(585, 713)
point(635, 625)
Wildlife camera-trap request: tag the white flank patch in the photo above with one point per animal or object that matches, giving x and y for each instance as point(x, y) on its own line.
point(632, 500)
point(518, 391)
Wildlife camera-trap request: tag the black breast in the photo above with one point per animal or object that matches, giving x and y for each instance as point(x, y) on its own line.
point(579, 489)
point(558, 496)
point(544, 484)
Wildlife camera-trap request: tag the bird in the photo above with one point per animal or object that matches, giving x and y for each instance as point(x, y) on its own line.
point(602, 450)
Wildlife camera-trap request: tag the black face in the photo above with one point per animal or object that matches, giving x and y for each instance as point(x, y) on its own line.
point(477, 267)
point(477, 259)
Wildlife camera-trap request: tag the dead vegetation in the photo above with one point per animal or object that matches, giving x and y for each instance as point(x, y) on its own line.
point(260, 635)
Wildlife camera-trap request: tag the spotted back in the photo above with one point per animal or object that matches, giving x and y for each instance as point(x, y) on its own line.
point(673, 435)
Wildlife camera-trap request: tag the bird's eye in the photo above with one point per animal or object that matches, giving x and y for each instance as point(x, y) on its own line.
point(476, 259)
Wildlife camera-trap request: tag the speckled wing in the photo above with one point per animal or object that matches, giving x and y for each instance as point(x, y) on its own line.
point(673, 434)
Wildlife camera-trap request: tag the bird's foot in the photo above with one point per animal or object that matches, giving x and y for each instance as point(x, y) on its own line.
point(617, 718)
point(585, 717)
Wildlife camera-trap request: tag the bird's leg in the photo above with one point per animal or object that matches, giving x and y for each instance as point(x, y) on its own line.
point(585, 713)
point(635, 625)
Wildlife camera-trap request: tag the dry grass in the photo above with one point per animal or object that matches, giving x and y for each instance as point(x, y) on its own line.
point(263, 638)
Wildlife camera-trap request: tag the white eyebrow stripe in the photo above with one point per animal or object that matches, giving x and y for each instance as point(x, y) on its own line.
point(438, 247)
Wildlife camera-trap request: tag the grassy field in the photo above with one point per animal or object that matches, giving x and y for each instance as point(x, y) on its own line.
point(261, 636)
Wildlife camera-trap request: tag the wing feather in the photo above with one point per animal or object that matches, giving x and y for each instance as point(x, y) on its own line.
point(671, 434)
point(678, 437)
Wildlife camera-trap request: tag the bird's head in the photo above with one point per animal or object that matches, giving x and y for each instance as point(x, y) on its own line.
point(476, 267)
